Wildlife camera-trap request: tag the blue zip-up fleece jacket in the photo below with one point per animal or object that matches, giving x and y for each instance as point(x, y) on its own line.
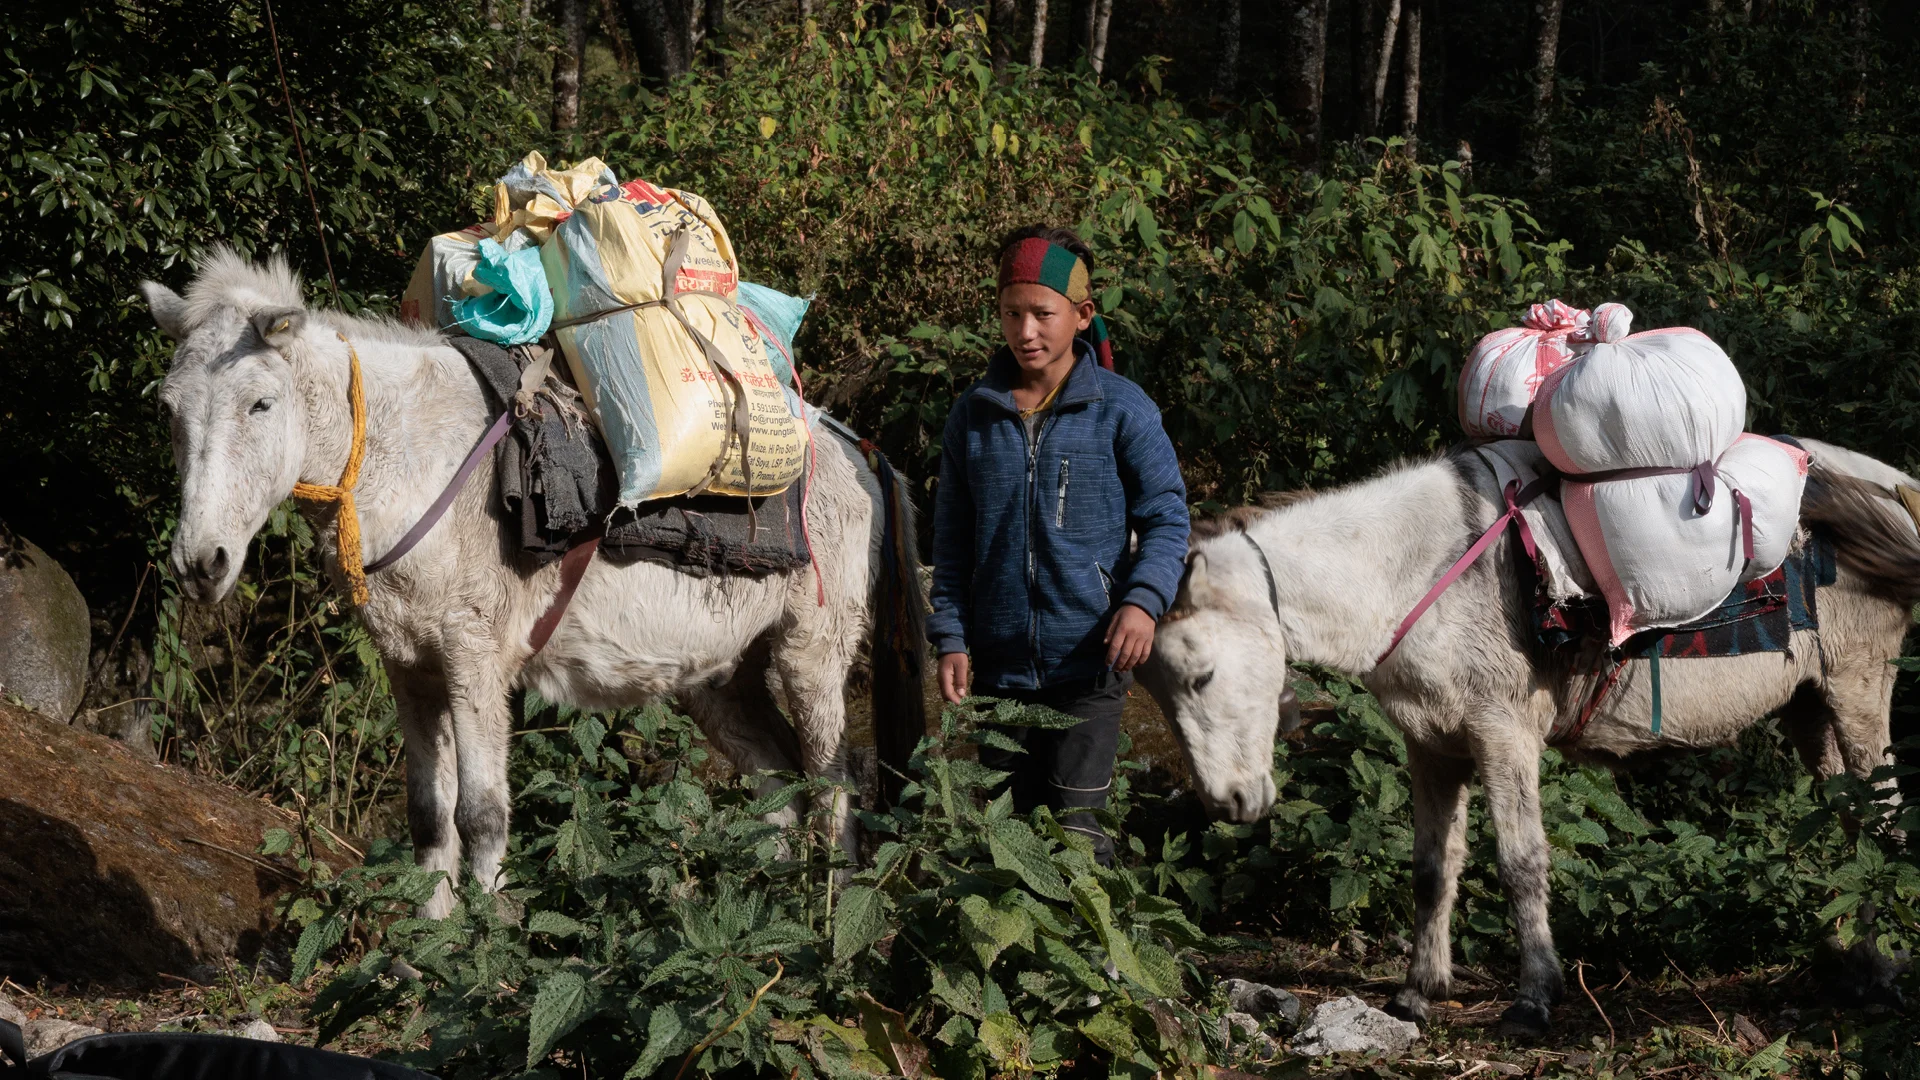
point(1030, 552)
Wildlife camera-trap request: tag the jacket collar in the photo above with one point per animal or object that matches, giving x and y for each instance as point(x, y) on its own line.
point(1082, 385)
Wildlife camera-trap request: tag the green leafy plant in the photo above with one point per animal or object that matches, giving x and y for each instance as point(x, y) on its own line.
point(653, 922)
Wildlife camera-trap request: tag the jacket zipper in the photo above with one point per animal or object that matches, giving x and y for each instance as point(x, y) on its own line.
point(1060, 509)
point(1033, 505)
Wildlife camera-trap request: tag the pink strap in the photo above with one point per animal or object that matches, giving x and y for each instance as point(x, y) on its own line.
point(1515, 497)
point(1746, 522)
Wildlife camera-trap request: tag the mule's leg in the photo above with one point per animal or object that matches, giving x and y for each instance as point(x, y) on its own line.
point(1439, 852)
point(1809, 722)
point(1510, 770)
point(478, 685)
point(433, 784)
point(744, 722)
point(1859, 694)
point(814, 655)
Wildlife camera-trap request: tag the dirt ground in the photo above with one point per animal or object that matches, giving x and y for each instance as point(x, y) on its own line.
point(1624, 1025)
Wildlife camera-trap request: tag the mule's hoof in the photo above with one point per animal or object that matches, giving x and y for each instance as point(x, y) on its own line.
point(1525, 1019)
point(1409, 1005)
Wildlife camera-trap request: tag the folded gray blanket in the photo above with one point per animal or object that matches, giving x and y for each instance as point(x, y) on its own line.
point(556, 481)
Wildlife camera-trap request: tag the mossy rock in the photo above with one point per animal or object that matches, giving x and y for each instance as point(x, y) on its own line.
point(45, 631)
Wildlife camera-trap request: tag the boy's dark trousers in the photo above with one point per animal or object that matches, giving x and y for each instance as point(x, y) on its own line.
point(1072, 769)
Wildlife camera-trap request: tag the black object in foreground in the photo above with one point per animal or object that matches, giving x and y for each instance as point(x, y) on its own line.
point(160, 1056)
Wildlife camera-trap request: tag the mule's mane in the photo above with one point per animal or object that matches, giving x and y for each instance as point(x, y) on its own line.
point(226, 279)
point(1241, 518)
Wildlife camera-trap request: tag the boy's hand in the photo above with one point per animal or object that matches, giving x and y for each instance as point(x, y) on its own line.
point(1129, 638)
point(955, 674)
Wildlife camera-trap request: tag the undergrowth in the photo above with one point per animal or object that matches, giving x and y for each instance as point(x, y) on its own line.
point(653, 922)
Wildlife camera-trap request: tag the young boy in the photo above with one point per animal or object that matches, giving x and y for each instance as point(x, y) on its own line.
point(1047, 463)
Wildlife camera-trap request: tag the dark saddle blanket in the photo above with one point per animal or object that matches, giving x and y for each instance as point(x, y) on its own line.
point(1760, 616)
point(555, 481)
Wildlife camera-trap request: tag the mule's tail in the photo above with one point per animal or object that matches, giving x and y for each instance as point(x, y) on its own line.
point(1871, 530)
point(899, 632)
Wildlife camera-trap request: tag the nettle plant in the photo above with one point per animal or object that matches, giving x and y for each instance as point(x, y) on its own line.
point(655, 925)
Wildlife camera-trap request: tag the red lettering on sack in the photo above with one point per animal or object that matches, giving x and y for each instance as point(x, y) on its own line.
point(639, 191)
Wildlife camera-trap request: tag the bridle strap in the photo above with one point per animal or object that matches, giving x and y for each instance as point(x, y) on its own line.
point(1273, 587)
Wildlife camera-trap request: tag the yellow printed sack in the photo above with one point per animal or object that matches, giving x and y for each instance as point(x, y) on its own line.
point(643, 281)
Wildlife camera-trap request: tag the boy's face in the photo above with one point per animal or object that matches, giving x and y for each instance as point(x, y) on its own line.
point(1039, 324)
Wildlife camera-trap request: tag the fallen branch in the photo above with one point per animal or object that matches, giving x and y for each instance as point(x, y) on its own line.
point(1691, 985)
point(262, 863)
point(1580, 972)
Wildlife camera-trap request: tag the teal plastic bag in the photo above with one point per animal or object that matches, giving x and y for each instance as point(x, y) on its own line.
point(520, 307)
point(781, 315)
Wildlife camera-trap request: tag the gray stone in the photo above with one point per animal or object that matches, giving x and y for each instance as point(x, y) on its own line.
point(11, 1012)
point(1268, 1003)
point(45, 630)
point(259, 1030)
point(1238, 1027)
point(1349, 1025)
point(48, 1034)
point(1245, 1039)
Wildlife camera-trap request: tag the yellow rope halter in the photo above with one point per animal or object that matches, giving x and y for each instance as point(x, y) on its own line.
point(352, 564)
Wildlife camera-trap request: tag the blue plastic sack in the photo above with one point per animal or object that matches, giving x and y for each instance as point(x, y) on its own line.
point(520, 307)
point(781, 315)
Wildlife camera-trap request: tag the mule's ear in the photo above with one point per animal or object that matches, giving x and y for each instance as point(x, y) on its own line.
point(169, 309)
point(1198, 589)
point(278, 327)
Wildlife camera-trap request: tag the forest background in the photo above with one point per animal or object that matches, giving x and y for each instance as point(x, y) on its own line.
point(1305, 213)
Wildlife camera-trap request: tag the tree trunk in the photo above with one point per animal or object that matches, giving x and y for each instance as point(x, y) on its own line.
point(1546, 66)
point(1227, 49)
point(1004, 18)
point(1097, 49)
point(658, 38)
point(805, 9)
point(716, 18)
point(616, 34)
point(1388, 33)
point(691, 22)
point(566, 64)
point(1861, 19)
point(1303, 82)
point(1410, 84)
point(1359, 62)
point(1037, 52)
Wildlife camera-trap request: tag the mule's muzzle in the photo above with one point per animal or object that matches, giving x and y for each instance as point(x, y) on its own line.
point(205, 575)
point(1243, 803)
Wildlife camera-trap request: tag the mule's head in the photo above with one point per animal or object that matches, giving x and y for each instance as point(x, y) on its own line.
point(1219, 673)
point(234, 406)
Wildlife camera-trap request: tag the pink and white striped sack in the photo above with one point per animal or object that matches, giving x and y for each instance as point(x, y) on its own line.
point(1671, 504)
point(1504, 371)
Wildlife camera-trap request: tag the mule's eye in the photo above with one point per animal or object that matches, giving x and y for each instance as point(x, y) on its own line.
point(1200, 681)
point(262, 405)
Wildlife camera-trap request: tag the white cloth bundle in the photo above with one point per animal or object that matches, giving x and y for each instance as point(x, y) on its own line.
point(1506, 368)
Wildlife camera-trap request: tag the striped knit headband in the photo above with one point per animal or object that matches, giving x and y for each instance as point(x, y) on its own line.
point(1037, 261)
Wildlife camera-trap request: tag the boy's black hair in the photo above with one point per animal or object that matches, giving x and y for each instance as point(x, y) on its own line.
point(1066, 238)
